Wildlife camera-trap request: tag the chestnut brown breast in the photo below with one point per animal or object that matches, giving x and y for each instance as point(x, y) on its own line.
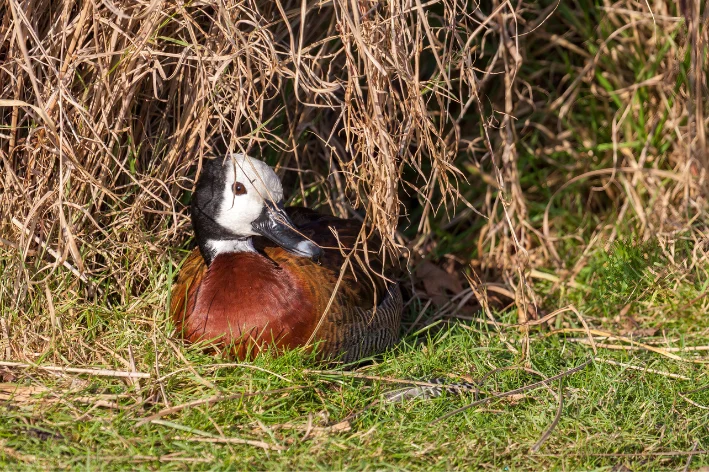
point(245, 301)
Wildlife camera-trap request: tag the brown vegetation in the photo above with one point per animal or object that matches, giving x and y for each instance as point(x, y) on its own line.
point(107, 108)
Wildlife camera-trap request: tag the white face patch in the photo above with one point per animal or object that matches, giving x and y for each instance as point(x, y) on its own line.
point(237, 212)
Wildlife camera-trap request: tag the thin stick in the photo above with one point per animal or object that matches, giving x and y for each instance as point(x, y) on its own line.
point(553, 424)
point(249, 442)
point(513, 392)
point(633, 348)
point(209, 401)
point(692, 402)
point(689, 457)
point(166, 458)
point(642, 369)
point(632, 454)
point(78, 370)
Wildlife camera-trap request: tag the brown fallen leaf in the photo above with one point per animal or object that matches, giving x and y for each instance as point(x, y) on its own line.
point(642, 333)
point(438, 284)
point(341, 426)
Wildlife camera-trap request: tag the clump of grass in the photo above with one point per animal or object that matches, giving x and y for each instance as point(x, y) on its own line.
point(629, 408)
point(625, 273)
point(108, 110)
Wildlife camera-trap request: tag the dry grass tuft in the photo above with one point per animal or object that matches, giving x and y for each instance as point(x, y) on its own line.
point(108, 109)
point(397, 108)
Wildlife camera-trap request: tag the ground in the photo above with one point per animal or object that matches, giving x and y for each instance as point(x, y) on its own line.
point(639, 401)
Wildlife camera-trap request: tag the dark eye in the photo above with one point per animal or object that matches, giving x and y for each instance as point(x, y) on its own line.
point(239, 188)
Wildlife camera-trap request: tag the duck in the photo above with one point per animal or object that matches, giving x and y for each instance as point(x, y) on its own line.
point(266, 276)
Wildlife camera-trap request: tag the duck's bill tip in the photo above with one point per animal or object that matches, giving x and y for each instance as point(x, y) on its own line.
point(275, 225)
point(308, 249)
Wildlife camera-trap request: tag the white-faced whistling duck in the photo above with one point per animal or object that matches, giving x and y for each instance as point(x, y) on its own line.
point(264, 275)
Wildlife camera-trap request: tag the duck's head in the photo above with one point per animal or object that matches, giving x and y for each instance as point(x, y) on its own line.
point(238, 197)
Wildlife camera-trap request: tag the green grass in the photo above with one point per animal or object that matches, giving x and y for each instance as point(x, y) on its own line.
point(634, 408)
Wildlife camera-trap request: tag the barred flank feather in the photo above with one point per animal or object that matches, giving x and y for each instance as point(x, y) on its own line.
point(369, 332)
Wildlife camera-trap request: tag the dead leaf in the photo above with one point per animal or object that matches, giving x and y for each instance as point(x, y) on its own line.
point(7, 376)
point(643, 333)
point(438, 284)
point(21, 393)
point(624, 311)
point(341, 426)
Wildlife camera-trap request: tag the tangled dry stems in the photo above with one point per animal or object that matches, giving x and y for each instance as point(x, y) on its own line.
point(108, 108)
point(111, 109)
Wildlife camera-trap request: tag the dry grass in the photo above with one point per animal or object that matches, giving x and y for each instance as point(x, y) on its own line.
point(518, 138)
point(107, 111)
point(110, 110)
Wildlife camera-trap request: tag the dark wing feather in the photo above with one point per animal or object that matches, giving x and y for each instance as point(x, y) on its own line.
point(353, 328)
point(338, 235)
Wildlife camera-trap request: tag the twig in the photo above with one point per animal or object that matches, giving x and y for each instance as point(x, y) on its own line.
point(632, 454)
point(78, 370)
point(513, 392)
point(689, 457)
point(553, 424)
point(166, 458)
point(622, 347)
point(209, 401)
point(250, 442)
point(642, 369)
point(692, 402)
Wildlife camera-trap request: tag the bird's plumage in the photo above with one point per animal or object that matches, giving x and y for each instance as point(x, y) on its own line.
point(245, 301)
